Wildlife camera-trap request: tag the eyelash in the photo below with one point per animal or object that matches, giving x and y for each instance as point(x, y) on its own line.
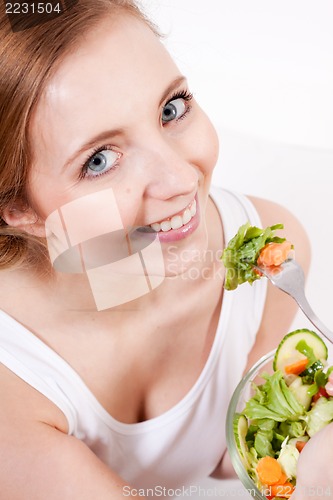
point(84, 166)
point(182, 94)
point(186, 96)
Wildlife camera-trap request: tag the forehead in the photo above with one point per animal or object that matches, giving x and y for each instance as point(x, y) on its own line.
point(119, 65)
point(115, 49)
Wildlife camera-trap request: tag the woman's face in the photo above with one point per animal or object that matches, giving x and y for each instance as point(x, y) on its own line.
point(117, 117)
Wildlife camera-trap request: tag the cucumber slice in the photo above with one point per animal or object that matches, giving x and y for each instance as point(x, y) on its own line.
point(240, 431)
point(287, 353)
point(300, 392)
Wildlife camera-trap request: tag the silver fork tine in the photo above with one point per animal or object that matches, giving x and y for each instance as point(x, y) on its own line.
point(289, 278)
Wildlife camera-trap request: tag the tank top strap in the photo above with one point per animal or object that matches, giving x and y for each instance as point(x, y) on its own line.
point(235, 210)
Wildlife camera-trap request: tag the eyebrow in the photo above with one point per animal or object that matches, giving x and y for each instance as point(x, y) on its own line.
point(108, 134)
point(173, 85)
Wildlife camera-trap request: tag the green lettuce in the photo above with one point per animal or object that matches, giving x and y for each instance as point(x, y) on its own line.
point(292, 429)
point(243, 251)
point(263, 443)
point(273, 400)
point(319, 416)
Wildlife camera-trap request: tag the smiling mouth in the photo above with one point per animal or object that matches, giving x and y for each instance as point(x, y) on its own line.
point(177, 221)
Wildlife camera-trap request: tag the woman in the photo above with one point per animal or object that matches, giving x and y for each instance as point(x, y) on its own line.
point(119, 349)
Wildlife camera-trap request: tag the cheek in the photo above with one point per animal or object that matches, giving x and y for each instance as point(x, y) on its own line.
point(46, 196)
point(48, 190)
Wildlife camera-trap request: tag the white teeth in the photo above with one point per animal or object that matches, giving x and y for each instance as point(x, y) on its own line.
point(177, 221)
point(193, 208)
point(187, 216)
point(156, 226)
point(166, 225)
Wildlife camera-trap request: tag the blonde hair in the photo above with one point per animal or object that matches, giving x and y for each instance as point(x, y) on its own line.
point(29, 55)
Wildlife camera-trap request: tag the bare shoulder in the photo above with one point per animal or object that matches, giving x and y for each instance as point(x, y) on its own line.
point(38, 459)
point(280, 309)
point(20, 399)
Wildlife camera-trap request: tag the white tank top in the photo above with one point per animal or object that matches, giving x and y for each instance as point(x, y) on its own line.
point(186, 442)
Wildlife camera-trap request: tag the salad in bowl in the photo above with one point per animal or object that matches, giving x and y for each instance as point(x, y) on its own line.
point(283, 401)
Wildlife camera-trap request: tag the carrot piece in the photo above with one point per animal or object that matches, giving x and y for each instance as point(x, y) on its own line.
point(269, 470)
point(283, 478)
point(300, 445)
point(297, 367)
point(282, 490)
point(273, 254)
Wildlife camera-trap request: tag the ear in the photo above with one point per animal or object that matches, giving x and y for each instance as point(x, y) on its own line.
point(24, 218)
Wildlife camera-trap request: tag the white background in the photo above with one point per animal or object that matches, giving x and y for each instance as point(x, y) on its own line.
point(263, 71)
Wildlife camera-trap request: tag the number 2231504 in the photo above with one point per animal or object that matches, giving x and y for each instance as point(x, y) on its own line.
point(33, 8)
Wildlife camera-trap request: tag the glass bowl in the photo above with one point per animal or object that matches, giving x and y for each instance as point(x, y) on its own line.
point(242, 394)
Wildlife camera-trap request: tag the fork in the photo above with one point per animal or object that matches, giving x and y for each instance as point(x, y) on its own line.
point(289, 278)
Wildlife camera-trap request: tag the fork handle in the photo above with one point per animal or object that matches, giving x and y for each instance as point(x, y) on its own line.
point(309, 313)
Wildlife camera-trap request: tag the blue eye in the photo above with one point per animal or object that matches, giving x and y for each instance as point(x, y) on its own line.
point(173, 110)
point(100, 162)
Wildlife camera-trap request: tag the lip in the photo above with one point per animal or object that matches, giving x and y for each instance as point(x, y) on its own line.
point(182, 232)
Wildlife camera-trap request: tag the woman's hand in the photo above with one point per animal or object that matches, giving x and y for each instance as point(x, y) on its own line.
point(314, 468)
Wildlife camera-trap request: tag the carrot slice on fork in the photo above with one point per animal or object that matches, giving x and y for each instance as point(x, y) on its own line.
point(273, 254)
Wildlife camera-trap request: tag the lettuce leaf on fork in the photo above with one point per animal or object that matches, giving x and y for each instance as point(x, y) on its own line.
point(243, 251)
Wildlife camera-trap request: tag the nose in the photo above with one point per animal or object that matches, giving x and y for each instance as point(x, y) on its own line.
point(168, 172)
